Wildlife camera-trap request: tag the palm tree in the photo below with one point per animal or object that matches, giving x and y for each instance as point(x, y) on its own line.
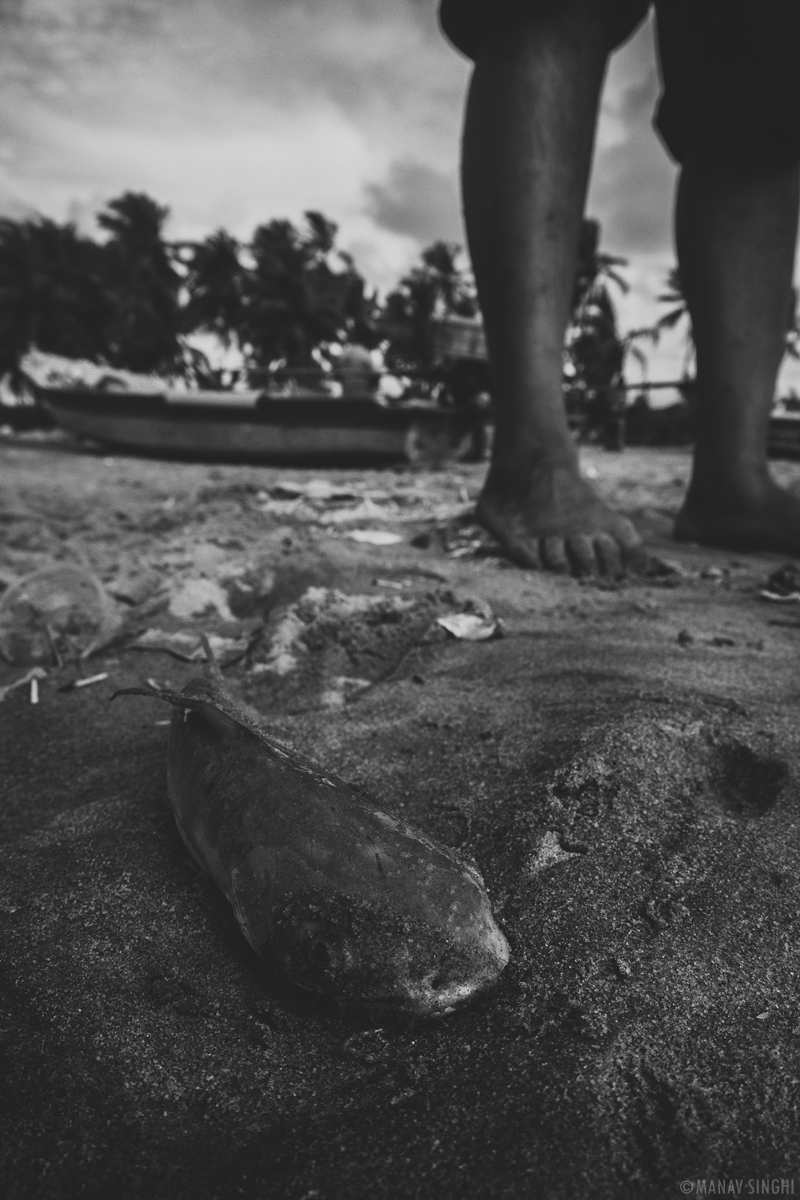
point(595, 269)
point(143, 286)
point(677, 315)
point(300, 294)
point(53, 293)
point(440, 286)
point(215, 288)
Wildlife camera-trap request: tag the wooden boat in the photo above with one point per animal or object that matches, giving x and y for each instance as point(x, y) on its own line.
point(254, 426)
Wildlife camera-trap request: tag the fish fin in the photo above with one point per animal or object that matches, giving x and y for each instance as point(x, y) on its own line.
point(218, 716)
point(222, 714)
point(212, 667)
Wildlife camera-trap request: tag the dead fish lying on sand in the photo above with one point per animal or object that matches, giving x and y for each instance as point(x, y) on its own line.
point(339, 897)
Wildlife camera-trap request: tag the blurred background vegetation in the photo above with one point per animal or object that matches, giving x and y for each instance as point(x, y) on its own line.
point(290, 298)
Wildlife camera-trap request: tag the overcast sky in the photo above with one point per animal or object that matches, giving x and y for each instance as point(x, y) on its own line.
point(235, 111)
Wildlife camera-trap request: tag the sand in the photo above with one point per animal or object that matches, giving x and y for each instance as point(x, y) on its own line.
point(622, 764)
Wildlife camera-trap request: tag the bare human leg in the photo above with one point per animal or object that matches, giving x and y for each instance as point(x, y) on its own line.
point(736, 229)
point(528, 141)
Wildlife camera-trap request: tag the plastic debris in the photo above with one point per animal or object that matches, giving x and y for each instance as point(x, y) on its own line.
point(34, 690)
point(58, 613)
point(375, 537)
point(462, 538)
point(315, 489)
point(470, 627)
point(187, 647)
point(196, 596)
point(34, 674)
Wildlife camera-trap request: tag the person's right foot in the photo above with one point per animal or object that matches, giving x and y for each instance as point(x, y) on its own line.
point(549, 517)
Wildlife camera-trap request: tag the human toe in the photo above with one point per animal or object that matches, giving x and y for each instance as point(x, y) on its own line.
point(609, 555)
point(581, 555)
point(554, 555)
point(634, 553)
point(524, 551)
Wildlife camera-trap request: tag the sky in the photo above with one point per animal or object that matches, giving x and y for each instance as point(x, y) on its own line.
point(232, 112)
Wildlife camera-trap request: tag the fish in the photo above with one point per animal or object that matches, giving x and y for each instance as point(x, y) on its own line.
point(338, 897)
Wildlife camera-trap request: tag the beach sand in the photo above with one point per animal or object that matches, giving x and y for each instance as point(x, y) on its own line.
point(622, 764)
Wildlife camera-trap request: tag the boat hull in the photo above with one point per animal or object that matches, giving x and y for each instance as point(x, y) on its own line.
point(249, 427)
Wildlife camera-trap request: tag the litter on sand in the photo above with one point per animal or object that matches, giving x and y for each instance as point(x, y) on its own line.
point(375, 537)
point(187, 647)
point(197, 596)
point(470, 627)
point(57, 613)
point(32, 676)
point(315, 489)
point(82, 683)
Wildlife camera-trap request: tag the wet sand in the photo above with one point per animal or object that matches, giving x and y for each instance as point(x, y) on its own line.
point(622, 765)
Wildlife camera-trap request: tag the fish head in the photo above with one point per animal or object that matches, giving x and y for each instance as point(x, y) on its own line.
point(367, 950)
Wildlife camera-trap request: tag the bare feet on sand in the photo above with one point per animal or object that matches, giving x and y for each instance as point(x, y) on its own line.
point(548, 516)
point(760, 516)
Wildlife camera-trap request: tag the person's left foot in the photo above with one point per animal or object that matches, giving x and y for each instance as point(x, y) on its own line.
point(764, 518)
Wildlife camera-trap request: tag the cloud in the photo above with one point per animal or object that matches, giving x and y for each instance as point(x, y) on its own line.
point(417, 200)
point(232, 112)
point(236, 111)
point(633, 179)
